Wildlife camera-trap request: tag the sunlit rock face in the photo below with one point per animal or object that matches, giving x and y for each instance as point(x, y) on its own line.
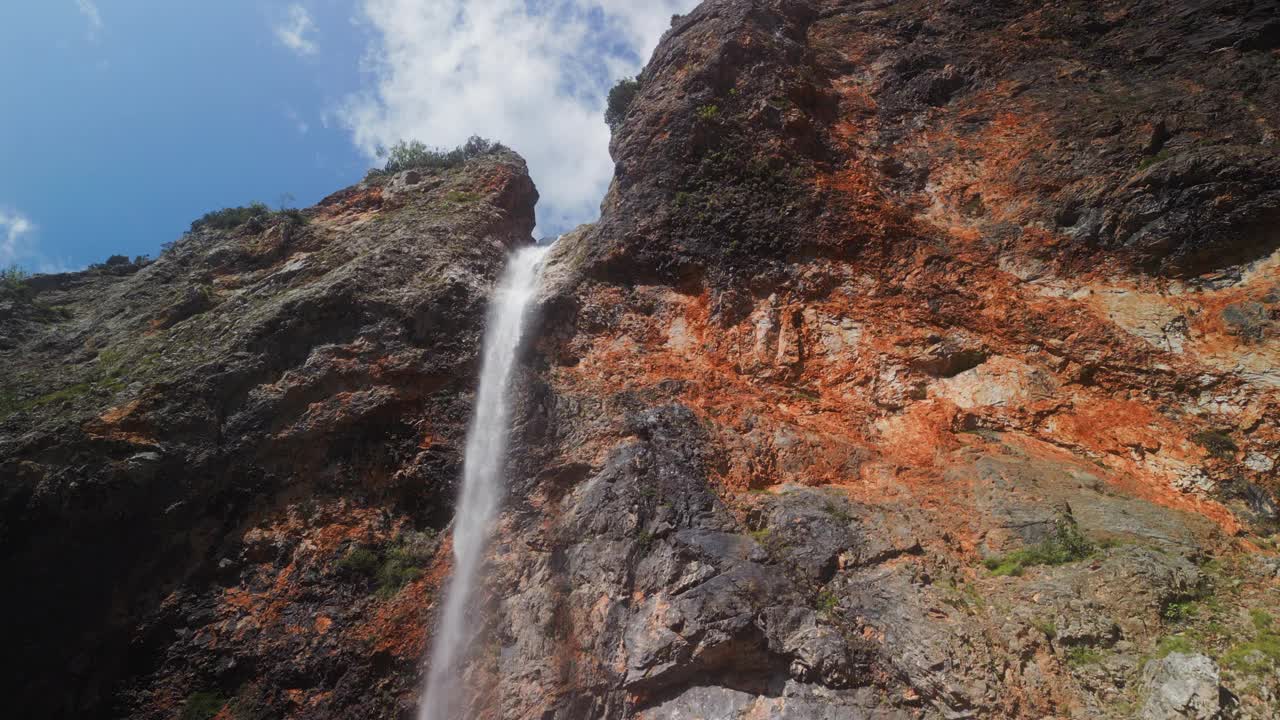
point(882, 291)
point(923, 364)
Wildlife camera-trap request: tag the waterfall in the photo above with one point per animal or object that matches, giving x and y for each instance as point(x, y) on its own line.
point(482, 478)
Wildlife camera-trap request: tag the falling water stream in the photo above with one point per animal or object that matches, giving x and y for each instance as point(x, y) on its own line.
point(482, 479)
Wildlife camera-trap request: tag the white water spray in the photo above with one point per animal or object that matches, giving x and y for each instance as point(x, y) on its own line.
point(482, 479)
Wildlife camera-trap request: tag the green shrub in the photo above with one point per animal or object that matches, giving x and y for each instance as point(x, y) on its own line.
point(1066, 545)
point(202, 706)
point(1046, 626)
point(1082, 655)
point(359, 560)
point(620, 97)
point(1150, 160)
point(13, 284)
point(397, 568)
point(708, 112)
point(410, 155)
point(231, 218)
point(13, 277)
point(294, 215)
point(400, 568)
point(827, 602)
point(1218, 443)
point(1179, 611)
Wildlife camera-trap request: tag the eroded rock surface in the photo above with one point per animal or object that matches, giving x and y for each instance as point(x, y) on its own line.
point(972, 366)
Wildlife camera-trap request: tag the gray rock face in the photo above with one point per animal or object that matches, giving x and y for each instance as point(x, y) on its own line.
point(793, 702)
point(660, 596)
point(1181, 686)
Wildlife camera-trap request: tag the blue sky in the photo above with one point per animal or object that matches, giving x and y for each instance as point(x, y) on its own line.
point(126, 119)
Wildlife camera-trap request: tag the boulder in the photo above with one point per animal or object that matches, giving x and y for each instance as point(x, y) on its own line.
point(1181, 685)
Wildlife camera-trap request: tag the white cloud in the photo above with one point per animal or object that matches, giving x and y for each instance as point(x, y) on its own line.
point(532, 75)
point(14, 227)
point(294, 30)
point(16, 246)
point(90, 12)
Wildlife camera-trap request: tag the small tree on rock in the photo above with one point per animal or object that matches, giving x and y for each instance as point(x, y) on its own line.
point(620, 98)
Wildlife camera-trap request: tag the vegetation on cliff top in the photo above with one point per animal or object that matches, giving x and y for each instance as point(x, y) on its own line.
point(17, 290)
point(404, 155)
point(13, 280)
point(232, 217)
point(256, 214)
point(416, 155)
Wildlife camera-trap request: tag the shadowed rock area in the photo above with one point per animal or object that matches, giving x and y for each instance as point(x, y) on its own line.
point(924, 363)
point(219, 468)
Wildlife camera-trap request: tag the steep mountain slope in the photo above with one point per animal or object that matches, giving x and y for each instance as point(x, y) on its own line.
point(192, 449)
point(885, 290)
point(925, 362)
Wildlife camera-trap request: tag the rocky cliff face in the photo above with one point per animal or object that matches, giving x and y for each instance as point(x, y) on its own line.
point(923, 364)
point(220, 469)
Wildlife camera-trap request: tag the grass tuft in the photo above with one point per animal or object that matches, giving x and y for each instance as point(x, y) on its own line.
point(360, 561)
point(1082, 655)
point(1259, 656)
point(1150, 160)
point(1173, 644)
point(202, 705)
point(1046, 626)
point(1066, 545)
point(827, 602)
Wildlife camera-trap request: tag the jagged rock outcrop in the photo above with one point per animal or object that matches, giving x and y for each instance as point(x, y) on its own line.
point(923, 364)
point(211, 462)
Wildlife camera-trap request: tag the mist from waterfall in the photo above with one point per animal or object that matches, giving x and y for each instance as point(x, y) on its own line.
point(482, 480)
